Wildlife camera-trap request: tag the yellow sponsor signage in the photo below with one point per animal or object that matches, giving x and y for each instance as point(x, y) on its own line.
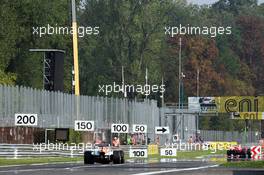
point(222, 145)
point(153, 149)
point(228, 104)
point(248, 115)
point(240, 104)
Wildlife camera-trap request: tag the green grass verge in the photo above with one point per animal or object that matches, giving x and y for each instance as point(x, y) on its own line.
point(31, 160)
point(244, 164)
point(196, 154)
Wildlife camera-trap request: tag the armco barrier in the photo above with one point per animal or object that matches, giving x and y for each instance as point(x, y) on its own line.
point(27, 150)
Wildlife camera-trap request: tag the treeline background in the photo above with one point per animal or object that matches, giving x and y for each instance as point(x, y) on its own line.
point(132, 35)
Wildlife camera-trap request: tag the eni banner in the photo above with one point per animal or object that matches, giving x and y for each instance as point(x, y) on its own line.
point(248, 115)
point(246, 105)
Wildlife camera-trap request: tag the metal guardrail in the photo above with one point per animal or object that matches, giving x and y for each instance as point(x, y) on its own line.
point(27, 150)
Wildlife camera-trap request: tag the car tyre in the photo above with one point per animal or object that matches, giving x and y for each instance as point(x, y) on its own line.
point(118, 157)
point(229, 155)
point(88, 157)
point(248, 153)
point(243, 154)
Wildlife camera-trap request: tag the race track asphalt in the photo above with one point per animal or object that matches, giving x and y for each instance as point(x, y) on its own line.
point(129, 168)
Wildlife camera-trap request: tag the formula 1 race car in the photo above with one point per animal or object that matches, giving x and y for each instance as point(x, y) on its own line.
point(104, 154)
point(238, 153)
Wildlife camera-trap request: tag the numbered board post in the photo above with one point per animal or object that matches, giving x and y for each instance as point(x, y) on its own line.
point(83, 125)
point(120, 128)
point(26, 119)
point(168, 152)
point(139, 128)
point(138, 153)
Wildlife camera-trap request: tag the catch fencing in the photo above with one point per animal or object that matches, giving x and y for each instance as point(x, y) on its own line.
point(240, 137)
point(60, 110)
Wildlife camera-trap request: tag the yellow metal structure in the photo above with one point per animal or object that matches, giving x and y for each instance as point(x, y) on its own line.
point(75, 50)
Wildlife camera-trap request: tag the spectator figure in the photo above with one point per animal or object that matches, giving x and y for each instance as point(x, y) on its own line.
point(167, 142)
point(98, 140)
point(157, 140)
point(190, 140)
point(129, 140)
point(134, 139)
point(116, 142)
point(200, 139)
point(196, 138)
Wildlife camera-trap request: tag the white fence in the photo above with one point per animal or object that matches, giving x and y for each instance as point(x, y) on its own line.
point(60, 110)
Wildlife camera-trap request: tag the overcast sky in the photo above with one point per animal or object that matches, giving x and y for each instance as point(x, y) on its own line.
point(211, 1)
